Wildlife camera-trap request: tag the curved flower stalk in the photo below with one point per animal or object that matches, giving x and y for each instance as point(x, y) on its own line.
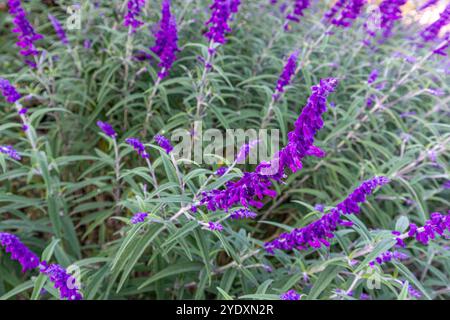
point(131, 18)
point(59, 29)
point(26, 33)
point(317, 233)
point(254, 186)
point(64, 282)
point(19, 252)
point(349, 10)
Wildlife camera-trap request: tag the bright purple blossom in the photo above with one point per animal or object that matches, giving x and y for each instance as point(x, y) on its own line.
point(390, 12)
point(220, 15)
point(107, 129)
point(319, 207)
point(290, 295)
point(432, 31)
point(349, 11)
point(138, 146)
point(139, 217)
point(287, 74)
point(22, 111)
point(388, 256)
point(436, 226)
point(254, 186)
point(243, 214)
point(299, 7)
point(164, 143)
point(166, 45)
point(9, 151)
point(373, 76)
point(64, 282)
point(215, 226)
point(132, 15)
point(318, 232)
point(413, 292)
point(58, 29)
point(8, 91)
point(26, 33)
point(19, 251)
point(221, 171)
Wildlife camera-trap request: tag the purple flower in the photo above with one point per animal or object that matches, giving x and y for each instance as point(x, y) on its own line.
point(290, 295)
point(243, 214)
point(164, 143)
point(254, 186)
point(446, 184)
point(64, 282)
point(390, 12)
point(373, 76)
point(413, 292)
point(364, 296)
point(139, 217)
point(22, 111)
point(26, 34)
point(132, 15)
point(299, 7)
point(8, 91)
point(138, 146)
point(388, 256)
point(349, 10)
point(218, 23)
point(215, 226)
point(166, 40)
point(9, 151)
point(221, 171)
point(19, 251)
point(244, 151)
point(58, 29)
point(436, 226)
point(319, 207)
point(317, 233)
point(432, 31)
point(107, 129)
point(286, 75)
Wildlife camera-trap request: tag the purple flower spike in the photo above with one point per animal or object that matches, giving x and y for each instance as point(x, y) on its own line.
point(221, 171)
point(373, 76)
point(9, 151)
point(436, 226)
point(64, 282)
point(166, 45)
point(286, 75)
point(349, 11)
point(58, 29)
point(215, 226)
point(138, 146)
point(290, 295)
point(26, 34)
point(8, 91)
point(432, 31)
point(244, 151)
point(139, 217)
point(299, 7)
point(243, 214)
point(317, 233)
point(164, 143)
point(107, 129)
point(133, 12)
point(218, 23)
point(19, 251)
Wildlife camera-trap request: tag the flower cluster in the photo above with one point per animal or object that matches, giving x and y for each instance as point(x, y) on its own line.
point(243, 214)
point(299, 7)
point(287, 74)
point(390, 12)
point(26, 33)
point(9, 151)
point(8, 91)
point(388, 256)
point(215, 226)
point(107, 129)
point(58, 29)
point(166, 40)
point(138, 146)
point(139, 217)
point(438, 224)
point(432, 31)
point(134, 10)
point(164, 143)
point(290, 295)
point(349, 11)
point(318, 232)
point(218, 23)
point(19, 251)
point(64, 282)
point(254, 186)
point(373, 76)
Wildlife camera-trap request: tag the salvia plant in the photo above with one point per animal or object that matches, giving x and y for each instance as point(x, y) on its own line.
point(116, 180)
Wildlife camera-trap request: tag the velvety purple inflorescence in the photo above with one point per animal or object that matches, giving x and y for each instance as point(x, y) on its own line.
point(107, 129)
point(8, 91)
point(349, 11)
point(290, 295)
point(9, 151)
point(58, 29)
point(220, 15)
point(317, 233)
point(26, 34)
point(437, 225)
point(64, 282)
point(373, 76)
point(254, 186)
point(138, 146)
point(299, 7)
point(388, 256)
point(215, 226)
point(287, 74)
point(139, 217)
point(166, 45)
point(132, 15)
point(164, 143)
point(390, 12)
point(19, 251)
point(243, 214)
point(432, 31)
